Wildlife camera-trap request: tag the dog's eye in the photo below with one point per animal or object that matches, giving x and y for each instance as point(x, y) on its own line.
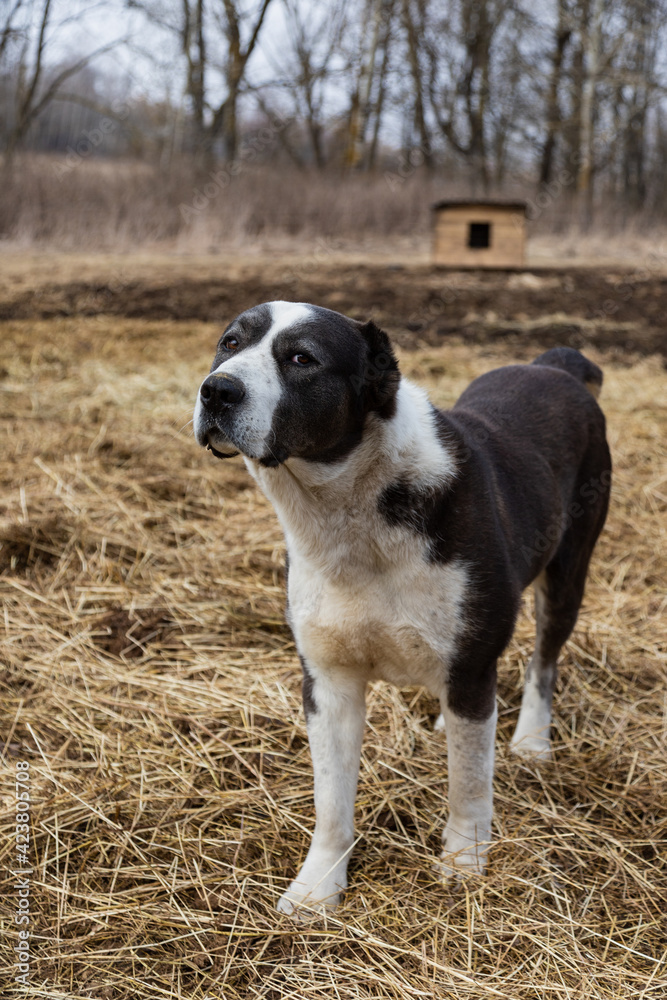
point(301, 359)
point(230, 343)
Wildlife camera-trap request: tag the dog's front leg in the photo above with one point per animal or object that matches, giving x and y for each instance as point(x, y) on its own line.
point(335, 711)
point(470, 752)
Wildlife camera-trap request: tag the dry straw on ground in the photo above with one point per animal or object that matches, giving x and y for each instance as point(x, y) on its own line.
point(153, 686)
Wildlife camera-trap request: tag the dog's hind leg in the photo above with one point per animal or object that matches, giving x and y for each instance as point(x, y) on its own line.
point(335, 714)
point(559, 590)
point(532, 737)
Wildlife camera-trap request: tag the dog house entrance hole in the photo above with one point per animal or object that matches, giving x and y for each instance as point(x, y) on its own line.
point(479, 235)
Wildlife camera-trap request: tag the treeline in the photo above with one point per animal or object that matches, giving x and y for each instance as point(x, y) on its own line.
point(562, 96)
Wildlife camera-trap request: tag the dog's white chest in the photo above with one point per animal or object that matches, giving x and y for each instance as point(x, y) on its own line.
point(399, 626)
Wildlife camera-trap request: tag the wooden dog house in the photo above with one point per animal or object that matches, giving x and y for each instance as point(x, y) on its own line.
point(479, 233)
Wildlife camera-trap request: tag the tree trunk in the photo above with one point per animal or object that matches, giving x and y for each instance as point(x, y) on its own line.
point(591, 49)
point(366, 82)
point(382, 88)
point(224, 121)
point(417, 85)
point(554, 120)
point(360, 102)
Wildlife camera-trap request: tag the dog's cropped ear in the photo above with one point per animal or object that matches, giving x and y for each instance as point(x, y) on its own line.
point(380, 378)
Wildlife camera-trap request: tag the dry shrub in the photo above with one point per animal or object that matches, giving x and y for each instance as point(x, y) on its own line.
point(121, 204)
point(125, 204)
point(153, 686)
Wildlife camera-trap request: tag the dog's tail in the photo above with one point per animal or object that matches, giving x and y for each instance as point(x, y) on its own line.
point(574, 363)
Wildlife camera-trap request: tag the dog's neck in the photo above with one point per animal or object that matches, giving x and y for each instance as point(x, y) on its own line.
point(319, 505)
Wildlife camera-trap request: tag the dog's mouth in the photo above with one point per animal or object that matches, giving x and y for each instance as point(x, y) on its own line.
point(221, 454)
point(217, 442)
point(221, 446)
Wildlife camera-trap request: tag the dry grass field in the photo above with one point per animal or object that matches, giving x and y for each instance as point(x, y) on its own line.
point(150, 681)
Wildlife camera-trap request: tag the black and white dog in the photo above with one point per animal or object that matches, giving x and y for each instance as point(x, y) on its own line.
point(411, 534)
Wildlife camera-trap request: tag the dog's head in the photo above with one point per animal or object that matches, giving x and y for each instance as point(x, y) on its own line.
point(291, 380)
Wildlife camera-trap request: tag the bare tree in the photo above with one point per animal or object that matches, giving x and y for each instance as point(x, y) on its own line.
point(9, 31)
point(639, 91)
point(466, 70)
point(308, 70)
point(214, 37)
point(610, 77)
point(365, 71)
point(35, 89)
point(238, 54)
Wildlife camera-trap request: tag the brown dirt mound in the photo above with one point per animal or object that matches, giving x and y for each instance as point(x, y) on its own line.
point(418, 305)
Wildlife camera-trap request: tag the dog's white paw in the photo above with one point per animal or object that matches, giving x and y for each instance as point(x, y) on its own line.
point(303, 904)
point(439, 724)
point(457, 867)
point(316, 890)
point(462, 856)
point(531, 746)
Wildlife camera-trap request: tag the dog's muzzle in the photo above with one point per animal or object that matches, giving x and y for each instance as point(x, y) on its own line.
point(219, 394)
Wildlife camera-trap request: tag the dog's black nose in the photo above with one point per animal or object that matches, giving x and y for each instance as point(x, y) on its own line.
point(221, 390)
